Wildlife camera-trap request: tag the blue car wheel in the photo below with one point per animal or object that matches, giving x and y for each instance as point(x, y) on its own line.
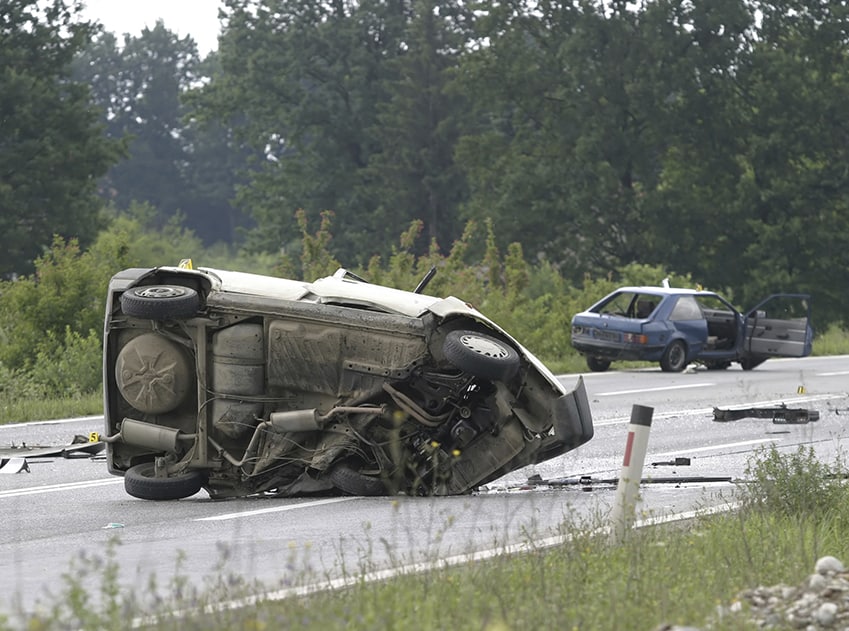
point(597, 364)
point(674, 358)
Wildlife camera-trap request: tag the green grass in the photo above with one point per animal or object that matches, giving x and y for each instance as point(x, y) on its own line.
point(659, 576)
point(14, 410)
point(833, 341)
point(794, 511)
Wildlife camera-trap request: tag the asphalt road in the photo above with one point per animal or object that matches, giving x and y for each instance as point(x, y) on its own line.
point(65, 516)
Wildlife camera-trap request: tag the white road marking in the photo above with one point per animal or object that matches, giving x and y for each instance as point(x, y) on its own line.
point(58, 421)
point(53, 488)
point(743, 443)
point(275, 509)
point(618, 392)
point(833, 374)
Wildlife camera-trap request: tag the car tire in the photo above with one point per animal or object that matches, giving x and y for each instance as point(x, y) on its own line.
point(160, 302)
point(350, 481)
point(597, 364)
point(748, 363)
point(481, 355)
point(140, 482)
point(674, 358)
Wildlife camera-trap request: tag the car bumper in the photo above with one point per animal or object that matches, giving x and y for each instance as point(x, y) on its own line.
point(618, 351)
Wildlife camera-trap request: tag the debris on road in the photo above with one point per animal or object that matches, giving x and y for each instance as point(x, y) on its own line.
point(780, 414)
point(13, 465)
point(677, 462)
point(587, 482)
point(80, 447)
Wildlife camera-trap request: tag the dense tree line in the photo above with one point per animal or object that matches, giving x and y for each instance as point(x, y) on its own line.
point(705, 138)
point(52, 148)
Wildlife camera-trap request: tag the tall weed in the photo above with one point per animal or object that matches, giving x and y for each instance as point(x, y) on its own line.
point(792, 485)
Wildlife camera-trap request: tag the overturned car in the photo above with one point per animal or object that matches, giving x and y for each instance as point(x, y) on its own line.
point(244, 384)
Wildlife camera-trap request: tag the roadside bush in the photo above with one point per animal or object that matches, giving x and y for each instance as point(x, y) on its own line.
point(793, 485)
point(16, 385)
point(69, 366)
point(66, 293)
point(51, 322)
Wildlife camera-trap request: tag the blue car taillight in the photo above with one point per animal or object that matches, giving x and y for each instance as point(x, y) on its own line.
point(635, 338)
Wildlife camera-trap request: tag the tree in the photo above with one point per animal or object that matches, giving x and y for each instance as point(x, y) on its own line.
point(797, 185)
point(412, 173)
point(586, 101)
point(173, 163)
point(347, 103)
point(53, 149)
point(299, 85)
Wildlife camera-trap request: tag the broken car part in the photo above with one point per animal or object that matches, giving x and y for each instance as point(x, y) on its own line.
point(779, 415)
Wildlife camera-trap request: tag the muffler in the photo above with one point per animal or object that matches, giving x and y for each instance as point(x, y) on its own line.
point(155, 437)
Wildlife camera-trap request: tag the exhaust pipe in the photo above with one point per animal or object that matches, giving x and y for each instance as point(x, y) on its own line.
point(155, 437)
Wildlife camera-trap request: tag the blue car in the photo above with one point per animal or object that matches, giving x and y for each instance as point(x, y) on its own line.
point(676, 327)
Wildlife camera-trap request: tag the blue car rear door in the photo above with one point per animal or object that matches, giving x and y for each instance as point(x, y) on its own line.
point(687, 319)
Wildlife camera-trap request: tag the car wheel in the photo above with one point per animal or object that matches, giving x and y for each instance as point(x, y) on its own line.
point(160, 302)
point(597, 364)
point(674, 357)
point(481, 355)
point(140, 481)
point(349, 480)
point(748, 363)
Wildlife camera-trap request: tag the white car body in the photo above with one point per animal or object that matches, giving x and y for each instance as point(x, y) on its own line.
point(241, 383)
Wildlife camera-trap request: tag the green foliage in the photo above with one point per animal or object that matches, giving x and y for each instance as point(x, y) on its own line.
point(697, 137)
point(361, 122)
point(133, 239)
point(64, 366)
point(53, 148)
point(64, 297)
point(51, 322)
point(832, 341)
point(412, 172)
point(796, 485)
point(316, 260)
point(173, 162)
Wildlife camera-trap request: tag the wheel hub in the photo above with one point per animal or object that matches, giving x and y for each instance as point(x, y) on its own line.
point(161, 292)
point(483, 346)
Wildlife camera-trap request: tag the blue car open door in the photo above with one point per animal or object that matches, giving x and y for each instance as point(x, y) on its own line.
point(780, 326)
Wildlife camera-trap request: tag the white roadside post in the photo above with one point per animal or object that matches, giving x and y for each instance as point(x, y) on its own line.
point(624, 506)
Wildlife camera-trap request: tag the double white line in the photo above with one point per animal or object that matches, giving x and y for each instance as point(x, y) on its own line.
point(53, 488)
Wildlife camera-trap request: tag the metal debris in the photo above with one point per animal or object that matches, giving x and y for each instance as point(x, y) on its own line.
point(13, 465)
point(779, 415)
point(677, 462)
point(80, 447)
point(587, 482)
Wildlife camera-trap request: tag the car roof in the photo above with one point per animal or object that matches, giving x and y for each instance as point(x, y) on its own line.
point(664, 291)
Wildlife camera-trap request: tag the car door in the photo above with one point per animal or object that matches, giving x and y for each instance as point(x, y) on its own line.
point(780, 326)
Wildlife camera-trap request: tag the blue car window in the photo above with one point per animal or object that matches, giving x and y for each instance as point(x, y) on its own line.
point(645, 305)
point(686, 309)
